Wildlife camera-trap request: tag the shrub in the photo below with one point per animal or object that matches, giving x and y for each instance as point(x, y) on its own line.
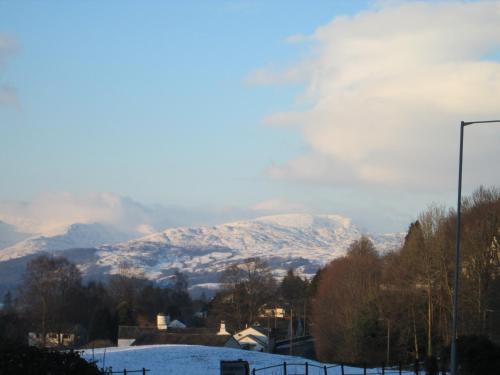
point(27, 360)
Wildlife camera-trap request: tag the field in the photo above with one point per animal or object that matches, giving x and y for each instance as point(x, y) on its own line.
point(191, 360)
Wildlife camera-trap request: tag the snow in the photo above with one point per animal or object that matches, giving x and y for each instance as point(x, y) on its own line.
point(74, 236)
point(193, 359)
point(316, 239)
point(301, 241)
point(210, 286)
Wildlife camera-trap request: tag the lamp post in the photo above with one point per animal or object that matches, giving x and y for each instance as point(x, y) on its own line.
point(453, 356)
point(388, 340)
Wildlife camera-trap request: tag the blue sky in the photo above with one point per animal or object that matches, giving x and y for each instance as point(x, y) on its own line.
point(159, 101)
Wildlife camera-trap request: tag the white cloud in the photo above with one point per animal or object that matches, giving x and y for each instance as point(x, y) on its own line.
point(389, 87)
point(51, 213)
point(278, 206)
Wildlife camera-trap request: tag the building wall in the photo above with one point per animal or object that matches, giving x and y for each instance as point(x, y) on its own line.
point(254, 345)
point(125, 342)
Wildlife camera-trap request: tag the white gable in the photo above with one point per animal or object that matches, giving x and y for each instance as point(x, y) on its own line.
point(250, 331)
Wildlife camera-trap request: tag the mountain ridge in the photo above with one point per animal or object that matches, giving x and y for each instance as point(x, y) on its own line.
point(302, 241)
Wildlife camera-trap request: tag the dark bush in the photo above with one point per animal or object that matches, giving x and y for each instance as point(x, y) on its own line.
point(477, 355)
point(26, 360)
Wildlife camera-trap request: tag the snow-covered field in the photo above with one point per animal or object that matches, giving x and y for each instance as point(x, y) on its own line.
point(192, 360)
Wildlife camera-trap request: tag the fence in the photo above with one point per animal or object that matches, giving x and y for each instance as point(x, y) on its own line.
point(291, 368)
point(307, 368)
point(109, 371)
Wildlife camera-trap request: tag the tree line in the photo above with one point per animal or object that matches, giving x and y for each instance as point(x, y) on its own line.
point(397, 306)
point(53, 298)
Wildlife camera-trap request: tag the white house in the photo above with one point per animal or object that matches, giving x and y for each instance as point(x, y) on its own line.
point(253, 338)
point(276, 312)
point(52, 339)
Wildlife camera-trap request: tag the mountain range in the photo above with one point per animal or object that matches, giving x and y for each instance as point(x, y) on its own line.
point(302, 241)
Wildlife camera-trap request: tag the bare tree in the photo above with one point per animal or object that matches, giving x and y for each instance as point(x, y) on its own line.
point(47, 284)
point(246, 288)
point(345, 305)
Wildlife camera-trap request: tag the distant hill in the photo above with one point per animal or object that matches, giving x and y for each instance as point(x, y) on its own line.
point(302, 241)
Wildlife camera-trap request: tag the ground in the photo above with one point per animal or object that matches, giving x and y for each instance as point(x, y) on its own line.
point(192, 359)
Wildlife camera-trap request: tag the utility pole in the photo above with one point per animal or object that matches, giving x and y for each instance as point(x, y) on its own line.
point(456, 285)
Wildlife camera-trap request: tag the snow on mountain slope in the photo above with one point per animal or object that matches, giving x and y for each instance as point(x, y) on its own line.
point(297, 240)
point(9, 235)
point(301, 241)
point(75, 236)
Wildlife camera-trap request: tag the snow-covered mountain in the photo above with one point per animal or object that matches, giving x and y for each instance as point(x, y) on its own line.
point(9, 235)
point(74, 236)
point(302, 241)
point(298, 240)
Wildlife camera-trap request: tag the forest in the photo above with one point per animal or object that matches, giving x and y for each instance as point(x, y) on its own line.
point(398, 306)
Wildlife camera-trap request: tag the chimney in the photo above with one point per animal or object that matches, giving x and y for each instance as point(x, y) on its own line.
point(161, 322)
point(222, 330)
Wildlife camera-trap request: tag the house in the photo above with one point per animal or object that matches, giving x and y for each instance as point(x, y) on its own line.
point(128, 334)
point(175, 332)
point(253, 338)
point(52, 339)
point(57, 339)
point(275, 312)
point(188, 336)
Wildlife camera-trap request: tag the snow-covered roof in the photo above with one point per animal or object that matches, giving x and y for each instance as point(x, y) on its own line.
point(256, 339)
point(206, 339)
point(255, 330)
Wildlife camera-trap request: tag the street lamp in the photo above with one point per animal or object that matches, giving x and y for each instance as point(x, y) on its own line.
point(463, 124)
point(388, 348)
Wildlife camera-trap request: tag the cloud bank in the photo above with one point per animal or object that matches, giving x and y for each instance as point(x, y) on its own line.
point(388, 88)
point(51, 214)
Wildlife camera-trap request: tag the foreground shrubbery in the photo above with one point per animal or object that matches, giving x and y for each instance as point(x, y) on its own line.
point(26, 360)
point(478, 356)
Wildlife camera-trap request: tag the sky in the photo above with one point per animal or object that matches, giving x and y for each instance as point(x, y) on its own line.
point(220, 110)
